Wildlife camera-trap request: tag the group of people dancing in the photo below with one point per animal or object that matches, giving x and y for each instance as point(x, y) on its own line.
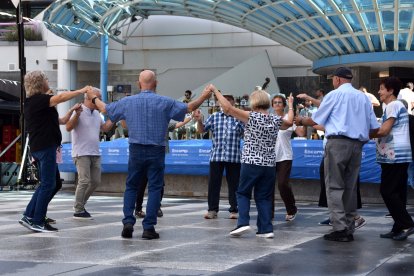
point(345, 114)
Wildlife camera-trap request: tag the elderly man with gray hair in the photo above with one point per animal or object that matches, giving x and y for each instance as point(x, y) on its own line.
point(348, 119)
point(86, 127)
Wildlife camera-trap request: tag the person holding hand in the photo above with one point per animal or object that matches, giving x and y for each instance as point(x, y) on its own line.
point(42, 124)
point(147, 115)
point(225, 155)
point(258, 159)
point(85, 128)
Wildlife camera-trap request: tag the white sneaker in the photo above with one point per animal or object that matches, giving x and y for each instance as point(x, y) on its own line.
point(239, 230)
point(359, 222)
point(269, 235)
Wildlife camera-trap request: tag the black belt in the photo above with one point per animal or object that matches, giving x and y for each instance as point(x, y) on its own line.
point(340, 137)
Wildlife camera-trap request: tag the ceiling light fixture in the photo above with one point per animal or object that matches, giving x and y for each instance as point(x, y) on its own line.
point(76, 20)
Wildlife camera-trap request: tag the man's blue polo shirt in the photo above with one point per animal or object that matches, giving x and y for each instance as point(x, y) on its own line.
point(346, 111)
point(147, 115)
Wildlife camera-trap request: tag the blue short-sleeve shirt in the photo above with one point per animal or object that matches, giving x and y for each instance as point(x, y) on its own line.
point(346, 111)
point(147, 115)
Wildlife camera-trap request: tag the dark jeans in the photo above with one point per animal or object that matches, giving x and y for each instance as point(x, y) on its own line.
point(323, 202)
point(58, 180)
point(58, 183)
point(141, 192)
point(37, 207)
point(143, 160)
point(214, 184)
point(393, 190)
point(262, 179)
point(283, 169)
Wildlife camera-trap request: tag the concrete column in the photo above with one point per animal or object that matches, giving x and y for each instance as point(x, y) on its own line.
point(362, 77)
point(66, 81)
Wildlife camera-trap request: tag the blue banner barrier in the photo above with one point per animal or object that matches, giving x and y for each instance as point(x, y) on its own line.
point(191, 157)
point(307, 156)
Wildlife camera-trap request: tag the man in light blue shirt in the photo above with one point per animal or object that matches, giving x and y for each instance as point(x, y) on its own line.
point(147, 115)
point(347, 117)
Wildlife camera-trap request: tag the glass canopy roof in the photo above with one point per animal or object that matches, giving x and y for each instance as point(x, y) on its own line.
point(317, 29)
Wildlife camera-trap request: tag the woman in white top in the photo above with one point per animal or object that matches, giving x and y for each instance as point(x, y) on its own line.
point(258, 159)
point(284, 156)
point(394, 155)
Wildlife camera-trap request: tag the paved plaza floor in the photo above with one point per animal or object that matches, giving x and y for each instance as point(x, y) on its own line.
point(191, 245)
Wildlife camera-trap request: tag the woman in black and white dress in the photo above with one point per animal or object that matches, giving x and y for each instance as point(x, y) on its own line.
point(258, 159)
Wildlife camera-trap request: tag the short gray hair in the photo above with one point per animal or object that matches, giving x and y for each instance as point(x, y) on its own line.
point(260, 99)
point(34, 83)
point(95, 89)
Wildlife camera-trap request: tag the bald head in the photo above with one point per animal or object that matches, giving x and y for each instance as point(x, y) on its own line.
point(147, 80)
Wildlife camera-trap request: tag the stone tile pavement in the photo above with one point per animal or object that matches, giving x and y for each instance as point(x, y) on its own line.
point(191, 245)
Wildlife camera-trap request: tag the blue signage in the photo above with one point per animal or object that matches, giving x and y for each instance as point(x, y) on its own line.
point(191, 157)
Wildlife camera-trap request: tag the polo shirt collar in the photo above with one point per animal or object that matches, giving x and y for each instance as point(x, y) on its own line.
point(85, 108)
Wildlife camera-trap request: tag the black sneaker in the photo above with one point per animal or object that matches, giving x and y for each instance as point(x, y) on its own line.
point(339, 236)
point(82, 215)
point(150, 234)
point(388, 235)
point(50, 227)
point(26, 222)
point(43, 228)
point(127, 231)
point(403, 235)
point(160, 214)
point(50, 220)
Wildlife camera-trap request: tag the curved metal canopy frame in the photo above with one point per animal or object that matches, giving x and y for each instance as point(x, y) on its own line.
point(316, 29)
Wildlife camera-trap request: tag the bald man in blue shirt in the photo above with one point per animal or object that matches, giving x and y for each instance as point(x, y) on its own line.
point(147, 115)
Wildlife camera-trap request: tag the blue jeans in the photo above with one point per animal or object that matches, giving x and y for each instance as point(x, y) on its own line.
point(146, 160)
point(262, 179)
point(37, 207)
